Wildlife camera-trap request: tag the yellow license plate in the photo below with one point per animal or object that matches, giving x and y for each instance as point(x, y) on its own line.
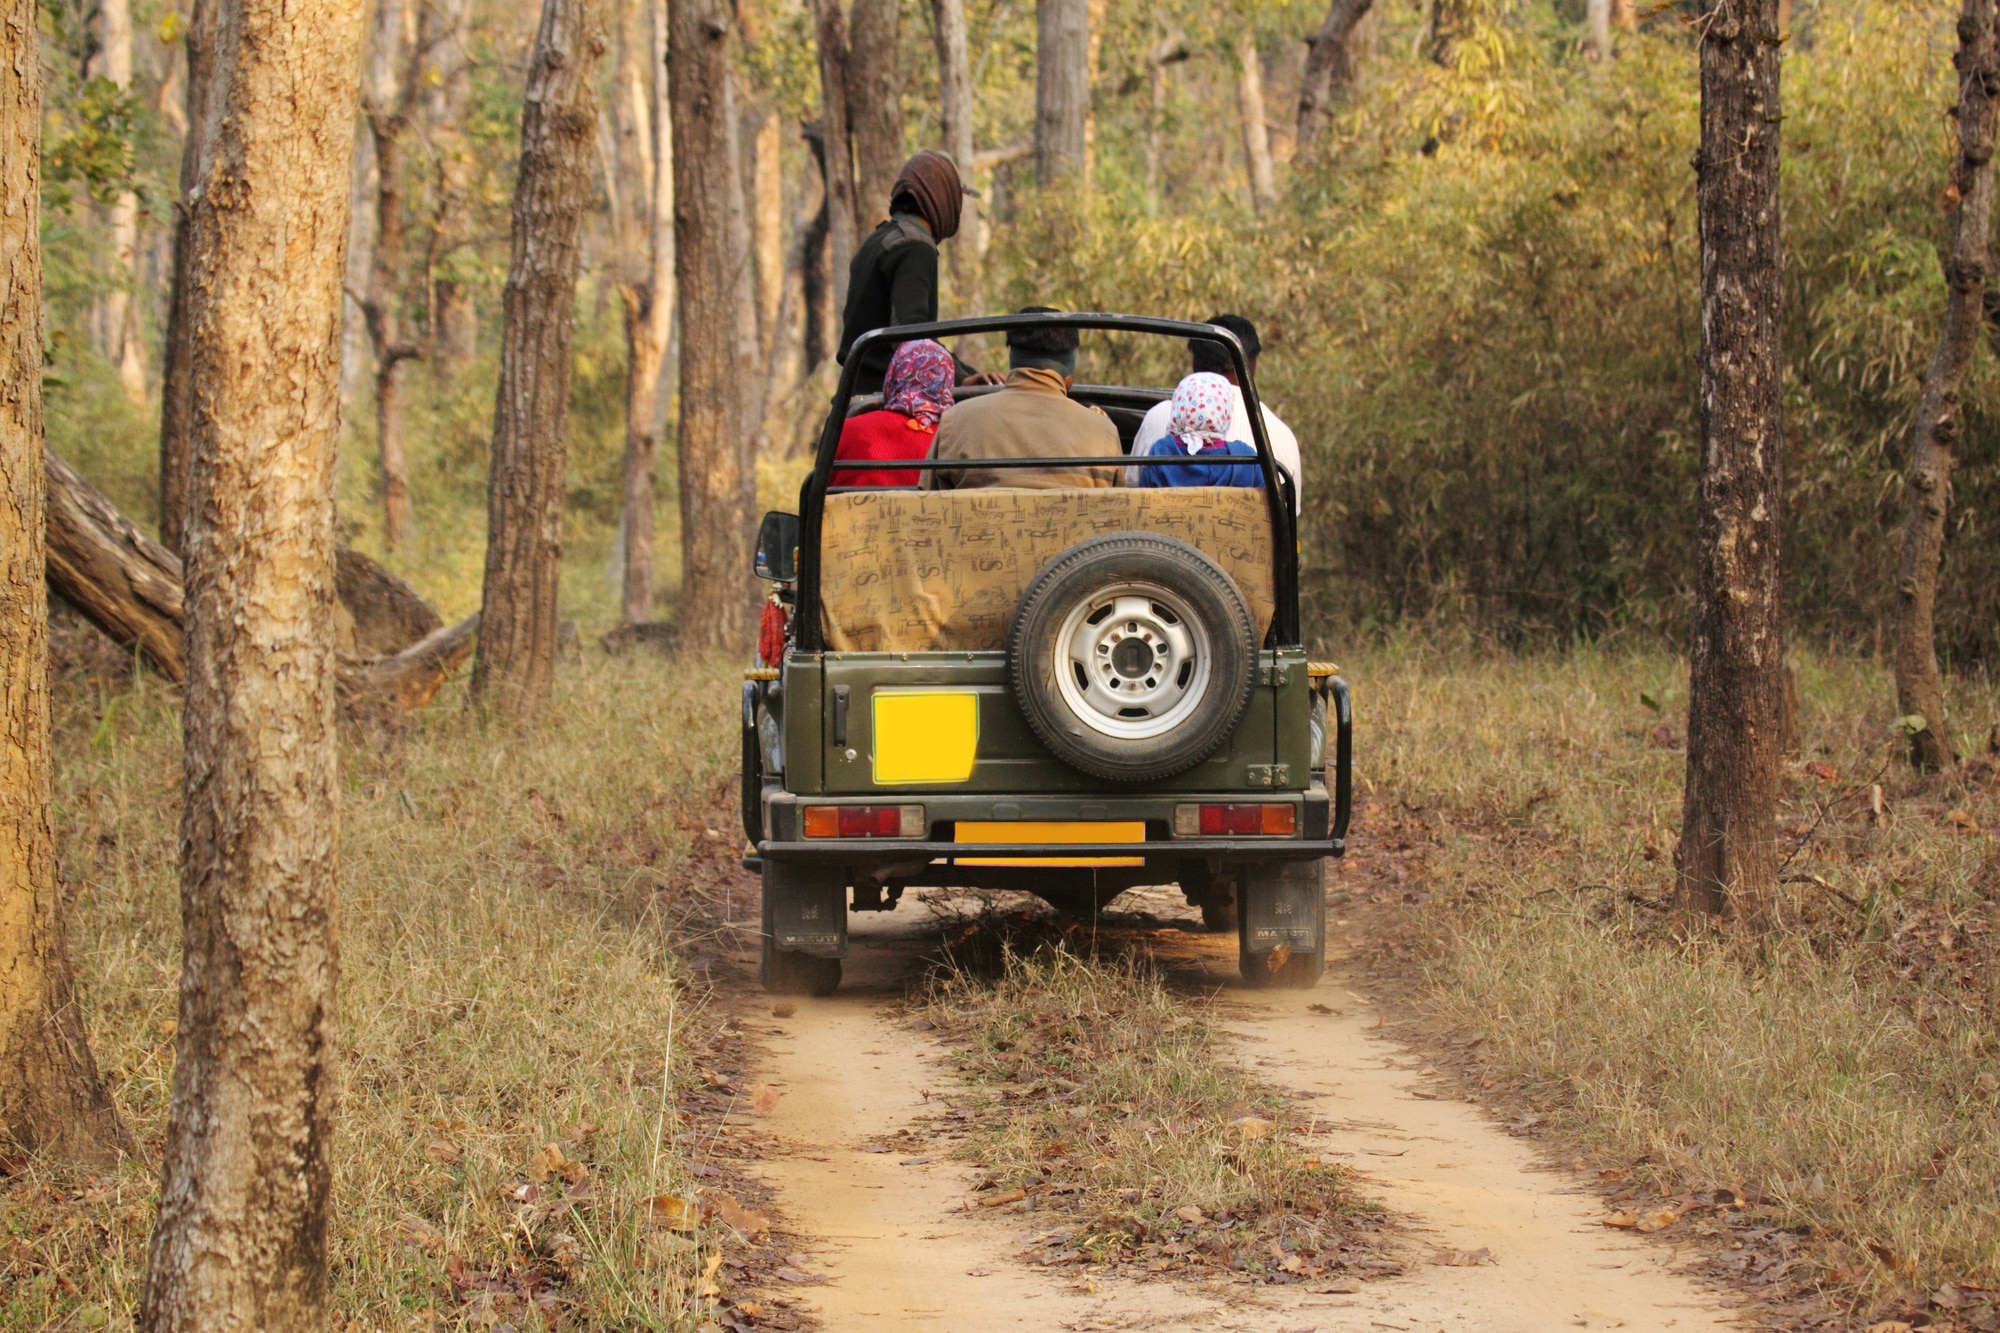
point(1126, 830)
point(925, 736)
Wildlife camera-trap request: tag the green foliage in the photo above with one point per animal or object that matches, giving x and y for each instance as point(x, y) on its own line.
point(88, 146)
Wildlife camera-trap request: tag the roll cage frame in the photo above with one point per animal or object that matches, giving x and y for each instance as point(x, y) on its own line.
point(1285, 626)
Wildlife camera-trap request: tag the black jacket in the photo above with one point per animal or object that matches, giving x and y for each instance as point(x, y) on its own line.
point(893, 280)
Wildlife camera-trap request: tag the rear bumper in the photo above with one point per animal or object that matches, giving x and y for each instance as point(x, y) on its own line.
point(842, 851)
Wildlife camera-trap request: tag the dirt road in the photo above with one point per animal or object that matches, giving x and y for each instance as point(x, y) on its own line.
point(883, 1215)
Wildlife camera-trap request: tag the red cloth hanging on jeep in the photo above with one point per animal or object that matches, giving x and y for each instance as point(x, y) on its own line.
point(771, 635)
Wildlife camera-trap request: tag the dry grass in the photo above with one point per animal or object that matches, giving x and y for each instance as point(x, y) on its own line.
point(1115, 1107)
point(1848, 1072)
point(508, 984)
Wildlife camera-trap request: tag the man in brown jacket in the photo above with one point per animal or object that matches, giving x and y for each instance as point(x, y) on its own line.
point(1031, 416)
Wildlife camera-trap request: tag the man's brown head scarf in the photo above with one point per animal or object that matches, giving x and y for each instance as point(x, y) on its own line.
point(930, 182)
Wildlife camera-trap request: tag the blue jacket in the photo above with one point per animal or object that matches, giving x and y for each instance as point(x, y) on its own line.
point(1202, 474)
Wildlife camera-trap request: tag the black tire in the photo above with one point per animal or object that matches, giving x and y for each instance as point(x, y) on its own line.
point(1218, 914)
point(1078, 904)
point(1214, 894)
point(1187, 666)
point(1295, 969)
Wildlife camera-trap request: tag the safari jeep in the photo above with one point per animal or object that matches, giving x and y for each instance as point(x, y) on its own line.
point(1067, 692)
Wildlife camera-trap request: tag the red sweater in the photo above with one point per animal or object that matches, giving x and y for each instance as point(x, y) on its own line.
point(887, 436)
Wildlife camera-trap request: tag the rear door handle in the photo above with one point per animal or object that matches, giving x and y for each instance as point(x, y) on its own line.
point(840, 715)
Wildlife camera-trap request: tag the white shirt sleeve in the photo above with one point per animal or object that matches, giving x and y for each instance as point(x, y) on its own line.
point(1284, 444)
point(1152, 430)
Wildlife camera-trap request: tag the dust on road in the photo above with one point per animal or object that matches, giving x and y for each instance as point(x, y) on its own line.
point(887, 1219)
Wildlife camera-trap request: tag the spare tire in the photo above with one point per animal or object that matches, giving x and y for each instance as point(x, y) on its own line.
point(1133, 656)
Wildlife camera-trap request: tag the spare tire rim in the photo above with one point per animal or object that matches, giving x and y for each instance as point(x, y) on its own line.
point(1132, 661)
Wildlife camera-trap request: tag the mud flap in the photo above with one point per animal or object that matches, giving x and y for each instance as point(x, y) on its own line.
point(805, 908)
point(1285, 905)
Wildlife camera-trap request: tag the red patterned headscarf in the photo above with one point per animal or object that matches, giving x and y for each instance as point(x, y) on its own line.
point(918, 382)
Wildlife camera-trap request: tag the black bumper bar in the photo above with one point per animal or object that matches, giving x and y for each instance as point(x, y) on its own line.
point(834, 850)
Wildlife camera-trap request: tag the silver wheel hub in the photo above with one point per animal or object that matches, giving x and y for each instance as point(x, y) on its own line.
point(1132, 661)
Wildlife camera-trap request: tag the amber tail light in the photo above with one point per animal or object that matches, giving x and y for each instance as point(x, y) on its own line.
point(1237, 821)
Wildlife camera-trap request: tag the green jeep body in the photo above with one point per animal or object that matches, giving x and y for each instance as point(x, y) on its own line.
point(809, 743)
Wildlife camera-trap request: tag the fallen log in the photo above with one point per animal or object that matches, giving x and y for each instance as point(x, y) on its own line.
point(395, 653)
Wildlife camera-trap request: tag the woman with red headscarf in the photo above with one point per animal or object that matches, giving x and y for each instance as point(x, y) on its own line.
point(916, 391)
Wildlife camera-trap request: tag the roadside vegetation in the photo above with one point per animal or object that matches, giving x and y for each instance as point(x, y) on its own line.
point(1845, 1074)
point(516, 1028)
point(1113, 1110)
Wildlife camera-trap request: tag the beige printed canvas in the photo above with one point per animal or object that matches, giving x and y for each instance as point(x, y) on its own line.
point(922, 571)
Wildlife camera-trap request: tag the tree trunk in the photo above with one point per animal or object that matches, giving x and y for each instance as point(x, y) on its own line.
point(1062, 88)
point(174, 401)
point(514, 671)
point(821, 292)
point(1727, 858)
point(836, 150)
point(126, 343)
point(717, 483)
point(1624, 15)
point(125, 584)
point(447, 39)
point(1250, 108)
point(1597, 16)
point(1329, 68)
point(1927, 489)
point(874, 107)
point(644, 230)
point(391, 95)
point(240, 1240)
point(767, 225)
point(51, 1098)
point(955, 100)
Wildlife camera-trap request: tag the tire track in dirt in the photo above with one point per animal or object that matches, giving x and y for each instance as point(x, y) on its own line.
point(901, 1250)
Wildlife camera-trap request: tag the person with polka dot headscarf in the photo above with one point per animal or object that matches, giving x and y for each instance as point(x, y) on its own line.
point(1198, 426)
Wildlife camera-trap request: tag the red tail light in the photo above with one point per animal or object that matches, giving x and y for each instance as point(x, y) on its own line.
point(864, 821)
point(1236, 821)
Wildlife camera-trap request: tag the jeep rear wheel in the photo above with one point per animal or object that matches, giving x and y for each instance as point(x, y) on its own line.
point(1133, 656)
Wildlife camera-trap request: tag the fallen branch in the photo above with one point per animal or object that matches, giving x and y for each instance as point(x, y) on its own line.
point(371, 688)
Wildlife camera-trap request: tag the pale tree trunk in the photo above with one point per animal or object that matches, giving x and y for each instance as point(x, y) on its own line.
point(955, 99)
point(874, 108)
point(126, 341)
point(1329, 68)
point(836, 152)
point(51, 1098)
point(1624, 15)
point(767, 224)
point(1250, 108)
point(1062, 89)
point(643, 224)
point(717, 482)
point(240, 1242)
point(1727, 860)
point(1166, 53)
point(389, 99)
point(514, 672)
point(175, 402)
point(447, 40)
point(1597, 17)
point(1927, 490)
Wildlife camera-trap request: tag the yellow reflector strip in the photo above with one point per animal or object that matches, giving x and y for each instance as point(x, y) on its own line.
point(1126, 830)
point(925, 736)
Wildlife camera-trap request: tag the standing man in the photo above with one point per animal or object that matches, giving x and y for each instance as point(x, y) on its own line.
point(1213, 357)
point(894, 276)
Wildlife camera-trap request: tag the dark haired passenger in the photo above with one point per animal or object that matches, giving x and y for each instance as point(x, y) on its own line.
point(1031, 416)
point(1198, 427)
point(915, 394)
point(1207, 355)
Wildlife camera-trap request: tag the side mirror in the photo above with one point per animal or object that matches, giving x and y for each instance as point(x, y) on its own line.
point(778, 547)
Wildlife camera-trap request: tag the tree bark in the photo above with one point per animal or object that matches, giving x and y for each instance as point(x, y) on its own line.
point(874, 107)
point(955, 102)
point(1062, 89)
point(390, 99)
point(821, 293)
point(125, 340)
point(446, 29)
point(124, 583)
point(1939, 421)
point(1250, 109)
point(1727, 857)
point(175, 404)
point(514, 671)
point(767, 224)
point(240, 1241)
point(1597, 16)
point(1329, 68)
point(836, 149)
point(1624, 15)
point(717, 482)
point(644, 225)
point(51, 1098)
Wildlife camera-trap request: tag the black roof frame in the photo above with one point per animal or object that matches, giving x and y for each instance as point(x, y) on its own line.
point(1285, 627)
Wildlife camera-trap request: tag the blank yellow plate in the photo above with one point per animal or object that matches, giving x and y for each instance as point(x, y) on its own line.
point(925, 736)
point(1129, 830)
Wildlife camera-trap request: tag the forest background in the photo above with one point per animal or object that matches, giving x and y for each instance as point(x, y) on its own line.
point(1477, 292)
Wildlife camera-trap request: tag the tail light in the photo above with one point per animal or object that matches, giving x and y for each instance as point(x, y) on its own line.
point(864, 821)
point(1238, 821)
